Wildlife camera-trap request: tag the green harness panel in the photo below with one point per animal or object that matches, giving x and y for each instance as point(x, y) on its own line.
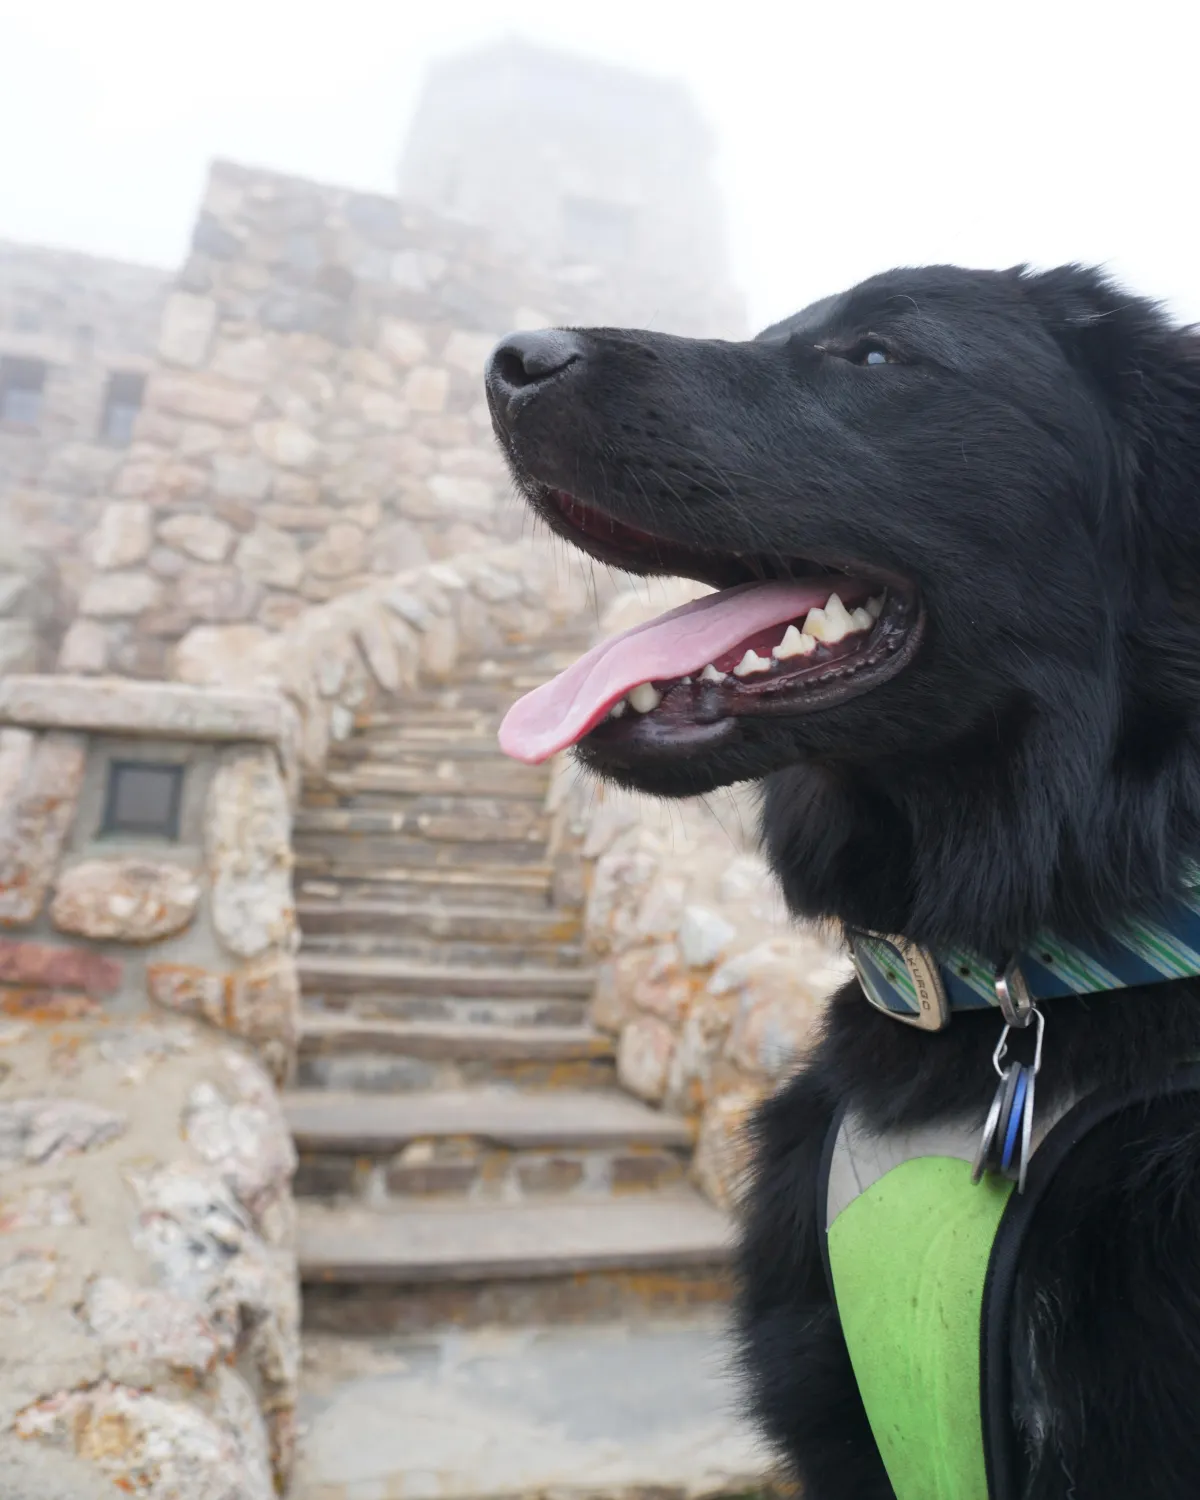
point(909, 1257)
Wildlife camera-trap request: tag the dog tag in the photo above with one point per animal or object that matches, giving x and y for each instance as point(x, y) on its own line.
point(990, 1126)
point(1004, 1145)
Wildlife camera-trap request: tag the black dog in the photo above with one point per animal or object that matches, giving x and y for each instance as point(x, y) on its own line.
point(1002, 472)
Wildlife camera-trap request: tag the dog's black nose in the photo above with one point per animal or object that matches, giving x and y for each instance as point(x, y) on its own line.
point(523, 360)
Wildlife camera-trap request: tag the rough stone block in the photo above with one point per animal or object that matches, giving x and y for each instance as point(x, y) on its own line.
point(47, 966)
point(468, 351)
point(202, 536)
point(287, 444)
point(644, 1057)
point(402, 342)
point(248, 361)
point(270, 556)
point(704, 936)
point(248, 849)
point(723, 1148)
point(240, 477)
point(259, 1003)
point(550, 1174)
point(124, 535)
point(457, 496)
point(202, 398)
point(125, 900)
point(427, 388)
point(186, 330)
point(34, 823)
point(341, 551)
point(120, 595)
point(146, 1444)
point(41, 1131)
point(115, 706)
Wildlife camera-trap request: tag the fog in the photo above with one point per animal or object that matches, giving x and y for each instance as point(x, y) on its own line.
point(850, 137)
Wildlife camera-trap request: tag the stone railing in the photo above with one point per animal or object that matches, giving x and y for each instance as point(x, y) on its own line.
point(711, 990)
point(148, 998)
point(339, 657)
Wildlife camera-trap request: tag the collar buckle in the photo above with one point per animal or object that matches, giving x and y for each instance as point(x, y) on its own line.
point(1013, 997)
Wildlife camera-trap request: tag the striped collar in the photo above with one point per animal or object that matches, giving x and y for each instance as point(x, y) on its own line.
point(924, 989)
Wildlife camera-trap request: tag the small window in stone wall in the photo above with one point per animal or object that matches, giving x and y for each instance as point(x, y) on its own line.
point(596, 230)
point(142, 799)
point(122, 402)
point(21, 382)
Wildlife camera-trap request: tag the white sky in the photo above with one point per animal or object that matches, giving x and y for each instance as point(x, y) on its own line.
point(854, 134)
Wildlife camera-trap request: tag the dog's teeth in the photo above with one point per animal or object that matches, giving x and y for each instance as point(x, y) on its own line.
point(618, 709)
point(837, 619)
point(862, 619)
point(793, 644)
point(875, 606)
point(644, 697)
point(710, 674)
point(752, 662)
point(814, 625)
point(685, 682)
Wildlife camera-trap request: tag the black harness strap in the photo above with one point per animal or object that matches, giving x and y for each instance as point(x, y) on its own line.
point(999, 1437)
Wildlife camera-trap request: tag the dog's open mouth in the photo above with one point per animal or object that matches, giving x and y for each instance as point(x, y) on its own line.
point(775, 639)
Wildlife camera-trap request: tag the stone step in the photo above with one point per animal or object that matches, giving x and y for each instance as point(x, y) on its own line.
point(486, 1242)
point(453, 1010)
point(517, 887)
point(408, 807)
point(458, 819)
point(346, 974)
point(592, 1412)
point(482, 1143)
point(456, 953)
point(447, 747)
point(350, 1052)
point(378, 858)
point(373, 783)
point(452, 918)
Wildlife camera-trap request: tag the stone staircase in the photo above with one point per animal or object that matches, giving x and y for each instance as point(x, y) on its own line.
point(468, 1163)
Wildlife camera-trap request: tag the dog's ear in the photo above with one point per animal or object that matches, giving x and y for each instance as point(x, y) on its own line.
point(1112, 336)
point(1146, 370)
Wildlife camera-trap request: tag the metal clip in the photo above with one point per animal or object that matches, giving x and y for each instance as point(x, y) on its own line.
point(1016, 1003)
point(1004, 1145)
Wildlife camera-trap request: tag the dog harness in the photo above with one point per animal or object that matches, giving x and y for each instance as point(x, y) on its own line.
point(924, 1227)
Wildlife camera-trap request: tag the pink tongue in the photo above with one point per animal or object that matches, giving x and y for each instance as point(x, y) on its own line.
point(677, 644)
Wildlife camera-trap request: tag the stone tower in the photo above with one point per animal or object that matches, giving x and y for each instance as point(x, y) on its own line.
point(584, 169)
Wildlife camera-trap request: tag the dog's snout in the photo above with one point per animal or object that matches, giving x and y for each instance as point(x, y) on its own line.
point(524, 360)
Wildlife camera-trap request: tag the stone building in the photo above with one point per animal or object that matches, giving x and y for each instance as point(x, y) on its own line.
point(77, 338)
point(284, 897)
point(583, 169)
point(299, 408)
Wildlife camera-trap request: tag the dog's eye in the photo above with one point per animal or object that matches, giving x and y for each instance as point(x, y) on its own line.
point(870, 353)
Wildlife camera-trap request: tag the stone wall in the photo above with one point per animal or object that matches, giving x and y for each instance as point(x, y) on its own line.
point(191, 914)
point(713, 992)
point(79, 321)
point(315, 420)
point(149, 1308)
point(148, 1000)
point(339, 658)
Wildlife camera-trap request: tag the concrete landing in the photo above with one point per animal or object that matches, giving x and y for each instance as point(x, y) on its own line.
point(582, 1411)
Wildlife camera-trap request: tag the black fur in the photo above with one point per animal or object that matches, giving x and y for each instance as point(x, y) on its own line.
point(1032, 463)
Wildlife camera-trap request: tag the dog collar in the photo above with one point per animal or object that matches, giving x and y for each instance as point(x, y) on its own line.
point(924, 989)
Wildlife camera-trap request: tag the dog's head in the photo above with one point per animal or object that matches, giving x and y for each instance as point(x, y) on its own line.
point(954, 522)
